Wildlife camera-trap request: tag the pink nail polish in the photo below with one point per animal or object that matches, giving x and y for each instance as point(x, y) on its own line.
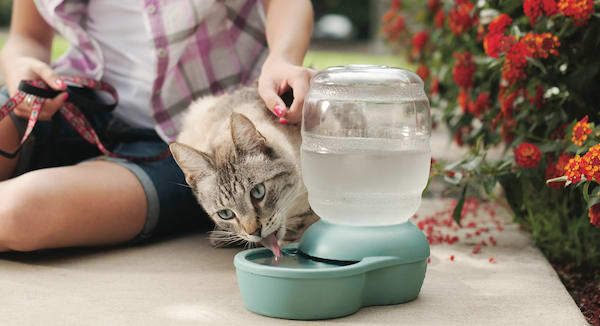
point(60, 83)
point(65, 97)
point(278, 111)
point(283, 121)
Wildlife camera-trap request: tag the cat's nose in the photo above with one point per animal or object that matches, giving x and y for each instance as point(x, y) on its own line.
point(257, 231)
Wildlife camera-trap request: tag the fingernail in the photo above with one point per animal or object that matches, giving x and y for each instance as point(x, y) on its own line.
point(278, 111)
point(283, 121)
point(60, 83)
point(65, 97)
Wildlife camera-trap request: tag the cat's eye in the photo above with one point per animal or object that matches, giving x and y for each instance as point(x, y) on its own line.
point(258, 192)
point(225, 214)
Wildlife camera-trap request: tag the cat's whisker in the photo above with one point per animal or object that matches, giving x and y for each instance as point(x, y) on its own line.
point(181, 184)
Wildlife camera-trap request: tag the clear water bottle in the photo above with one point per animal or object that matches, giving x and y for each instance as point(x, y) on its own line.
point(365, 144)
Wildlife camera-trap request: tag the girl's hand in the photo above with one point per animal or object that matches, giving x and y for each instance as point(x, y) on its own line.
point(26, 68)
point(276, 77)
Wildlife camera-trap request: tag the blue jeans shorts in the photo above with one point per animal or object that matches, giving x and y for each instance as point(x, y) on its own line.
point(172, 207)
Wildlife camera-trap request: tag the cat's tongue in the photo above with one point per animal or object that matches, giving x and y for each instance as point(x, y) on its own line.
point(271, 243)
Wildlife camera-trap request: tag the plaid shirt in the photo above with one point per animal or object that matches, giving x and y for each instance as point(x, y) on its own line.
point(201, 47)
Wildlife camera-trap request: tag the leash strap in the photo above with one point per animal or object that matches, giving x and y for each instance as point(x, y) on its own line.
point(77, 88)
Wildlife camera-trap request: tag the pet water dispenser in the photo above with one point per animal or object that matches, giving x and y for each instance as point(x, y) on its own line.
point(365, 163)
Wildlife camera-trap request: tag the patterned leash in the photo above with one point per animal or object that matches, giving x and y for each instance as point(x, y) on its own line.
point(77, 98)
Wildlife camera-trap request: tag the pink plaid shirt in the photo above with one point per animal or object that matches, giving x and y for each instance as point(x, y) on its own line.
point(201, 47)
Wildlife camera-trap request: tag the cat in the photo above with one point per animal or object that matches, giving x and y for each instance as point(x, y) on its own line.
point(244, 168)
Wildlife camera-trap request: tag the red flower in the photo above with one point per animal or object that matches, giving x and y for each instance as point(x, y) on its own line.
point(460, 17)
point(463, 100)
point(581, 130)
point(532, 9)
point(495, 44)
point(461, 134)
point(541, 45)
point(527, 155)
point(499, 24)
point(389, 15)
point(439, 18)
point(396, 4)
point(420, 39)
point(507, 106)
point(550, 7)
point(538, 100)
point(516, 61)
point(423, 72)
point(579, 10)
point(393, 29)
point(463, 70)
point(557, 169)
point(432, 4)
point(481, 104)
point(594, 215)
point(435, 86)
point(507, 131)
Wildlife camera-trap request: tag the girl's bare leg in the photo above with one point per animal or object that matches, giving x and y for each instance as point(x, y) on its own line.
point(93, 203)
point(9, 140)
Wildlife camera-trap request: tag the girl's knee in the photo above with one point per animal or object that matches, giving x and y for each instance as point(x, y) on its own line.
point(21, 225)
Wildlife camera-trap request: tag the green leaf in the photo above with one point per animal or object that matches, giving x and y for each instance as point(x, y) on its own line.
point(489, 184)
point(586, 194)
point(473, 164)
point(459, 206)
point(538, 64)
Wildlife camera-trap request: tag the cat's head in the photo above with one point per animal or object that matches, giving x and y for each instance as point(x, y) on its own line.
point(245, 185)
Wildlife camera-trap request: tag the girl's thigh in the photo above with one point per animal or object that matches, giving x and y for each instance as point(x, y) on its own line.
point(92, 203)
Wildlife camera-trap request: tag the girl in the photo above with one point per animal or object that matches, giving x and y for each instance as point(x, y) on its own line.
point(159, 55)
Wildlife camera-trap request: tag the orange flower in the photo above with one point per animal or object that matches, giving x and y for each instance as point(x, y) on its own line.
point(435, 86)
point(579, 10)
point(460, 18)
point(590, 163)
point(423, 72)
point(463, 100)
point(439, 18)
point(499, 24)
point(581, 130)
point(573, 169)
point(594, 214)
point(527, 155)
point(388, 16)
point(481, 104)
point(532, 9)
point(420, 40)
point(495, 44)
point(516, 61)
point(542, 45)
point(463, 70)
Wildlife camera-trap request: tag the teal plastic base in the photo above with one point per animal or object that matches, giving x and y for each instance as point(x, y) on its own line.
point(301, 287)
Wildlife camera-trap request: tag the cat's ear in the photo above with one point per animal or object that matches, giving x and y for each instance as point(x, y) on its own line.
point(194, 164)
point(245, 136)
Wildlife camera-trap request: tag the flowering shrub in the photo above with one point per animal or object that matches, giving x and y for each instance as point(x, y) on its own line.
point(523, 76)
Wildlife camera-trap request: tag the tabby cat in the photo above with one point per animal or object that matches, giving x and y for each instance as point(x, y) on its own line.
point(244, 169)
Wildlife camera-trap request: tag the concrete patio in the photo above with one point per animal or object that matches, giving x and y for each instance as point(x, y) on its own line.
point(183, 281)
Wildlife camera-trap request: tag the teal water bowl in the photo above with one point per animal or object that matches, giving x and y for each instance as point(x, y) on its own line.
point(334, 271)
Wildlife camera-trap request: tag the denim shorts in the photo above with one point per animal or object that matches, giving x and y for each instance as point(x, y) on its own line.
point(172, 207)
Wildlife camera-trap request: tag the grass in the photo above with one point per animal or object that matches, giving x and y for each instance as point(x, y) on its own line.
point(323, 59)
point(316, 59)
point(59, 46)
